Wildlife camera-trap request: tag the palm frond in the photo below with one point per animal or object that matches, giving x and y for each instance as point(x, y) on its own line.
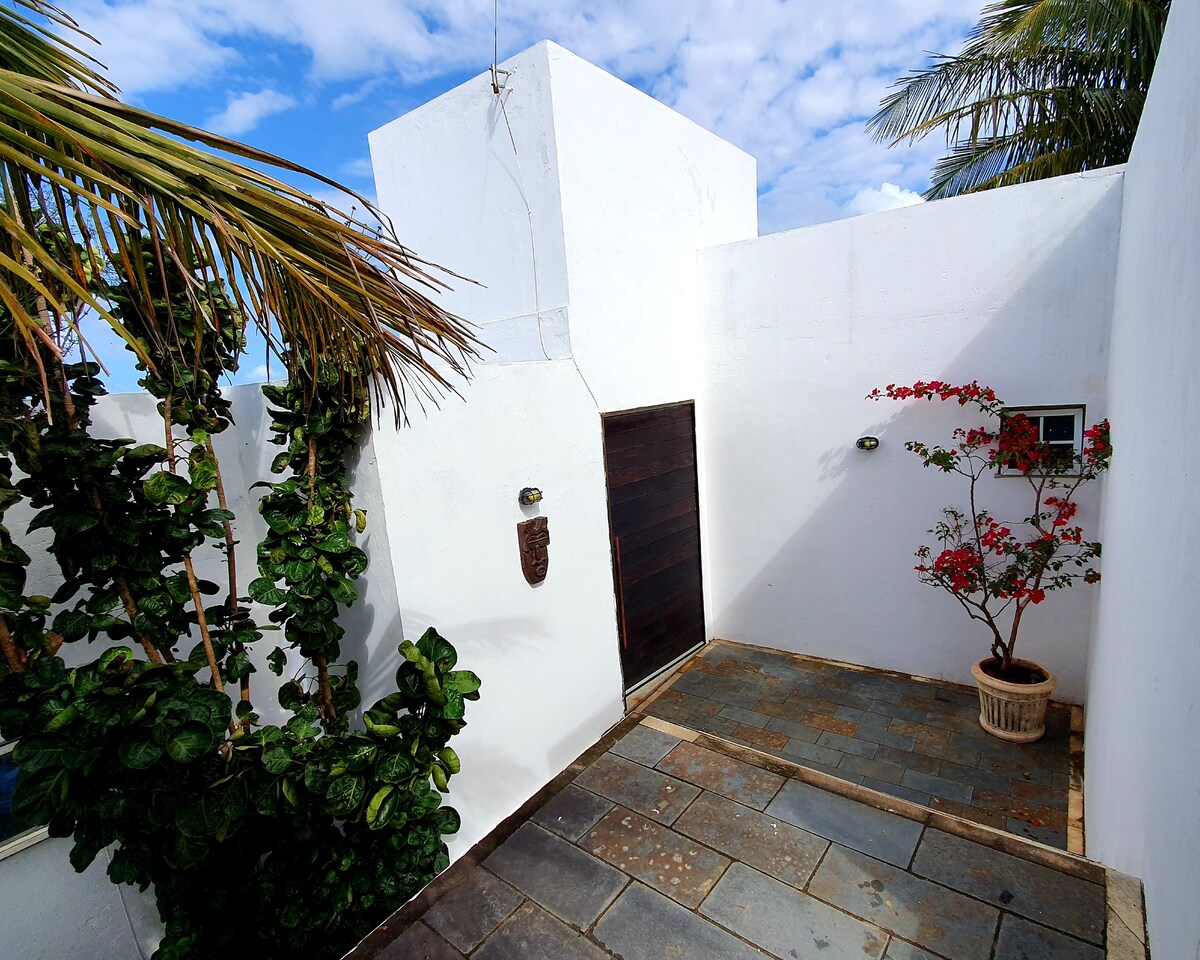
point(115, 175)
point(1027, 65)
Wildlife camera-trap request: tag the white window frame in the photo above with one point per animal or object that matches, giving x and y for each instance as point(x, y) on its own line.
point(1055, 410)
point(27, 838)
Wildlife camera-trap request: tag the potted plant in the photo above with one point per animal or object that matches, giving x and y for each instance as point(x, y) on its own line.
point(997, 568)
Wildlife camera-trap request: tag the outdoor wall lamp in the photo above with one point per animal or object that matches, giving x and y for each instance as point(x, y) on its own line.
point(867, 443)
point(529, 496)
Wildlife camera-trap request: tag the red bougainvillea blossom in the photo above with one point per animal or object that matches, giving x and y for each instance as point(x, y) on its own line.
point(991, 566)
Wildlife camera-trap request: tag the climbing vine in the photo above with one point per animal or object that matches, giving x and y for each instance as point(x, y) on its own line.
point(265, 840)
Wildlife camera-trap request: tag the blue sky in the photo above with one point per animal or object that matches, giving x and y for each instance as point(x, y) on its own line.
point(789, 81)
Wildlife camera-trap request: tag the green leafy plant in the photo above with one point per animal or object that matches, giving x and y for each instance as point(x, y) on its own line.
point(259, 840)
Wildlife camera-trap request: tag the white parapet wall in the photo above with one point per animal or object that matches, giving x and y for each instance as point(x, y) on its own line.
point(1143, 718)
point(809, 540)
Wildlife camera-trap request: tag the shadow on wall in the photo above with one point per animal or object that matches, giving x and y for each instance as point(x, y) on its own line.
point(841, 585)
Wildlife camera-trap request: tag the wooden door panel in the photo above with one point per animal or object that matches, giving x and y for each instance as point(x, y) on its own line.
point(654, 517)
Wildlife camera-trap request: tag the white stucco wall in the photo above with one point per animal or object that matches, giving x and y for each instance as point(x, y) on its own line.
point(587, 214)
point(484, 202)
point(643, 188)
point(1143, 719)
point(547, 654)
point(52, 911)
point(810, 541)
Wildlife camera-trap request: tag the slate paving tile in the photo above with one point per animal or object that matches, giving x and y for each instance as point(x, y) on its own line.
point(532, 934)
point(886, 738)
point(864, 718)
point(937, 919)
point(968, 812)
point(695, 683)
point(759, 738)
point(649, 792)
point(831, 724)
point(965, 698)
point(897, 790)
point(845, 821)
point(721, 726)
point(859, 748)
point(1015, 770)
point(855, 700)
point(896, 711)
point(668, 861)
point(744, 716)
point(1021, 940)
point(671, 710)
point(811, 752)
point(713, 771)
point(562, 878)
point(876, 769)
point(943, 751)
point(473, 909)
point(572, 812)
point(795, 731)
point(1043, 796)
point(1018, 809)
point(807, 702)
point(920, 732)
point(954, 723)
point(937, 786)
point(645, 925)
point(1042, 832)
point(899, 950)
point(418, 942)
point(644, 745)
point(1067, 903)
point(911, 761)
point(766, 843)
point(789, 923)
point(832, 771)
point(978, 778)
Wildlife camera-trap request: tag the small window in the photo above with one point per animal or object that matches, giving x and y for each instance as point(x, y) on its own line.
point(14, 835)
point(1060, 428)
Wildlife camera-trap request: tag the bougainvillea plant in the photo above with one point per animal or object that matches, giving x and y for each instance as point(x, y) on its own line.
point(996, 567)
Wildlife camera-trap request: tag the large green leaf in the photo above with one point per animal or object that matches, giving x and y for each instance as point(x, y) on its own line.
point(166, 488)
point(189, 742)
point(345, 794)
point(139, 754)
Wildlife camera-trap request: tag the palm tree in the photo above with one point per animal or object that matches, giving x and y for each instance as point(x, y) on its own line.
point(123, 180)
point(1041, 88)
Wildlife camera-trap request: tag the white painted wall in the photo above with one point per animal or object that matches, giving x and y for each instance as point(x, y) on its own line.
point(1143, 717)
point(467, 193)
point(547, 654)
point(643, 188)
point(52, 911)
point(810, 541)
point(614, 193)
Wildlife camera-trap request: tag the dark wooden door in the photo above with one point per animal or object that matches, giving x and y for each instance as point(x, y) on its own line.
point(654, 519)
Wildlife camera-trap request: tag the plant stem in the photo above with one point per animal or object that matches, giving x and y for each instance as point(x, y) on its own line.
point(231, 567)
point(202, 622)
point(320, 659)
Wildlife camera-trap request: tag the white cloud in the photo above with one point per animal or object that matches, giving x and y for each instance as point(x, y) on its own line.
point(358, 167)
point(887, 196)
point(245, 111)
point(779, 78)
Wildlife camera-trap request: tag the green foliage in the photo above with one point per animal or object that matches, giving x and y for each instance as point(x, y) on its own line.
point(1042, 88)
point(259, 840)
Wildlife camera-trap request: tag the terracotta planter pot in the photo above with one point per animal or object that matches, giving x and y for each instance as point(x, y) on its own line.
point(1015, 712)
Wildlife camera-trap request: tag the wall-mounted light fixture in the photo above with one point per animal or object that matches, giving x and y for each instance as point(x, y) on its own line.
point(867, 443)
point(529, 496)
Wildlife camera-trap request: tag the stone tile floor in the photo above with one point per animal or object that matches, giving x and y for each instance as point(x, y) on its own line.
point(915, 740)
point(666, 848)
